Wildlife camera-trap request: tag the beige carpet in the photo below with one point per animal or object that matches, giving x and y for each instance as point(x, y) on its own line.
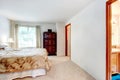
point(63, 69)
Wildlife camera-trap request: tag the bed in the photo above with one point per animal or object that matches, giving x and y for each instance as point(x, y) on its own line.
point(23, 62)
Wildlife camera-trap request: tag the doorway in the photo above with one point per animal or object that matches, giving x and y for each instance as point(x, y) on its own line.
point(112, 38)
point(68, 40)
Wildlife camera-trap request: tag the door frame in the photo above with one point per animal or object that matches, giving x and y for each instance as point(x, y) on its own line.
point(108, 38)
point(66, 40)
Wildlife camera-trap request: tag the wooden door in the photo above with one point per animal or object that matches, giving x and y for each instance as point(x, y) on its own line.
point(68, 40)
point(109, 41)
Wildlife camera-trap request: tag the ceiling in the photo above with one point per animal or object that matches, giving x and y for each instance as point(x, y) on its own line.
point(41, 10)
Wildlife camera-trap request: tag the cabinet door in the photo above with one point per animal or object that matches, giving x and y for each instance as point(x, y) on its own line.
point(119, 62)
point(114, 58)
point(45, 35)
point(54, 35)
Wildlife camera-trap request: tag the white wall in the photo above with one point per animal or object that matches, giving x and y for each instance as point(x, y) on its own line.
point(4, 28)
point(88, 44)
point(60, 39)
point(58, 27)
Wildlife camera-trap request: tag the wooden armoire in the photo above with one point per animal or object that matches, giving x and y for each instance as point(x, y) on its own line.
point(50, 42)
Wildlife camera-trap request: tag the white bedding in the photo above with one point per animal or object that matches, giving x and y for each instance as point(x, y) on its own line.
point(23, 52)
point(32, 73)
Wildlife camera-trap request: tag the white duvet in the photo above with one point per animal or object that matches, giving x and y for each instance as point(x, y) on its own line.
point(23, 52)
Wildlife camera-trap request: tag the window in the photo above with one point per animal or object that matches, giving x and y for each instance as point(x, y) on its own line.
point(26, 36)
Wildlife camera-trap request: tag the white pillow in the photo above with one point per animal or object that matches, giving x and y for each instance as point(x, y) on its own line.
point(3, 46)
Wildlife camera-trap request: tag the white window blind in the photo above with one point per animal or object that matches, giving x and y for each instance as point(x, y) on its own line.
point(26, 36)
